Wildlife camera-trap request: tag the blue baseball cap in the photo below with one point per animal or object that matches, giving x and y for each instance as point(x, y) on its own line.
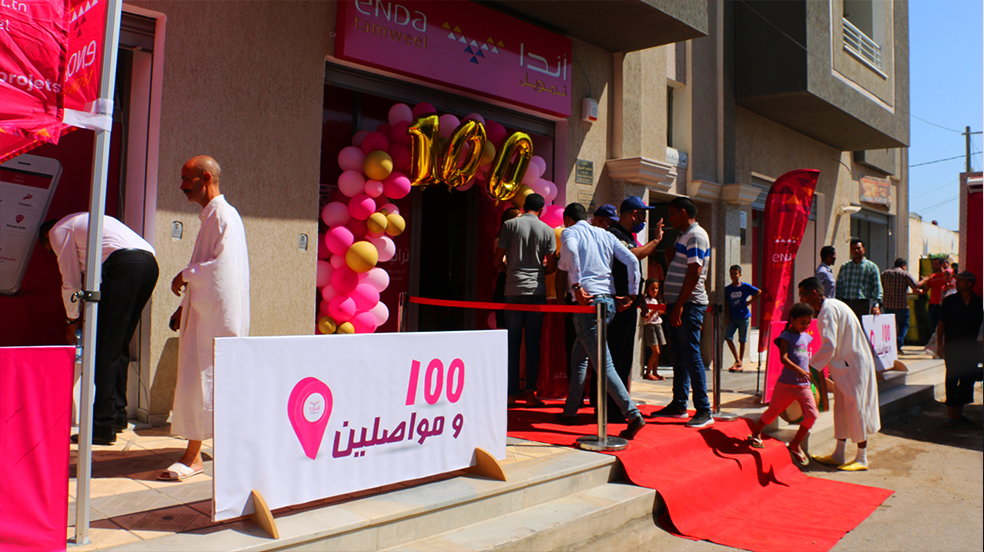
point(606, 210)
point(631, 204)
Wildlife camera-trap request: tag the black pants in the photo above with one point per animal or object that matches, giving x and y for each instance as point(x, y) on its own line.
point(621, 344)
point(128, 279)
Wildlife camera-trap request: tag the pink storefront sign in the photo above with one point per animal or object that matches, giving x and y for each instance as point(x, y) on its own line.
point(461, 44)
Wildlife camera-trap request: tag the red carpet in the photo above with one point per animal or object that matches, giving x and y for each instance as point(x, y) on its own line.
point(719, 489)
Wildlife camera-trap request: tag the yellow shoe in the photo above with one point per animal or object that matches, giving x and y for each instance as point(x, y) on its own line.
point(826, 460)
point(853, 466)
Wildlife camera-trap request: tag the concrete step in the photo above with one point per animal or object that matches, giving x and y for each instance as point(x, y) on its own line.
point(403, 515)
point(559, 524)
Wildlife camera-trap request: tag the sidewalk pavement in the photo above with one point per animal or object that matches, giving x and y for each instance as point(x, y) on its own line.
point(129, 504)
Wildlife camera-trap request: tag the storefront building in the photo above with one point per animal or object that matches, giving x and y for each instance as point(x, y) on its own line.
point(275, 90)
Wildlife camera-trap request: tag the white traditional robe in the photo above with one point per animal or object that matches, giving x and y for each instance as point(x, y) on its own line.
point(845, 349)
point(215, 304)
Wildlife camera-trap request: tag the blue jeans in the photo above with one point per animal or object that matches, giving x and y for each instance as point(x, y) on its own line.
point(688, 366)
point(585, 346)
point(516, 322)
point(934, 317)
point(901, 323)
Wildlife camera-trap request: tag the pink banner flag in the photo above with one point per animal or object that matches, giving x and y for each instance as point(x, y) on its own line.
point(65, 40)
point(34, 38)
point(787, 209)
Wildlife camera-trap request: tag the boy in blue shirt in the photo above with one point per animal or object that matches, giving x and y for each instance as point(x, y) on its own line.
point(739, 295)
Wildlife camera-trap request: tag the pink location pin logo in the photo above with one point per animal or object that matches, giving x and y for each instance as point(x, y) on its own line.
point(309, 408)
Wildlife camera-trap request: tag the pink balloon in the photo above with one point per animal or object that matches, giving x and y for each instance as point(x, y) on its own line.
point(530, 177)
point(344, 280)
point(385, 247)
point(377, 277)
point(374, 188)
point(364, 322)
point(324, 273)
point(351, 158)
point(338, 261)
point(553, 216)
point(396, 186)
point(401, 156)
point(466, 186)
point(389, 209)
point(380, 201)
point(335, 214)
point(491, 321)
point(365, 296)
point(423, 108)
point(447, 123)
point(400, 113)
point(551, 191)
point(539, 186)
point(358, 228)
point(323, 307)
point(541, 165)
point(338, 240)
point(361, 206)
point(358, 137)
point(328, 292)
point(474, 117)
point(385, 130)
point(495, 133)
point(382, 313)
point(398, 135)
point(375, 234)
point(323, 252)
point(351, 183)
point(375, 141)
point(341, 308)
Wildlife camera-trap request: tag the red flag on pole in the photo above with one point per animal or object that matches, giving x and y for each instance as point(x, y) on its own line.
point(787, 209)
point(34, 35)
point(62, 38)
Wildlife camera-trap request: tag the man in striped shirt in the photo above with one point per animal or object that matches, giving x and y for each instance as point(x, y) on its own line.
point(684, 290)
point(896, 282)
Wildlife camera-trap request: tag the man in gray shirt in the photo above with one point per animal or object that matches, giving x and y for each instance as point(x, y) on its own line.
point(825, 271)
point(529, 249)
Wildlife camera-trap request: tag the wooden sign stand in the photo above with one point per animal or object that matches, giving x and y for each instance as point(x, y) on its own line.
point(487, 466)
point(262, 516)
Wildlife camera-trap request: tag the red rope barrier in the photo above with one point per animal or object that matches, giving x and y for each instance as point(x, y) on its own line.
point(501, 306)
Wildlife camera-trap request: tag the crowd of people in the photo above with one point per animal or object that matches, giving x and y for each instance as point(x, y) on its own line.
point(599, 261)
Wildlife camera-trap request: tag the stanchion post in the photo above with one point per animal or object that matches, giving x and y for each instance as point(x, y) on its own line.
point(602, 442)
point(717, 310)
point(401, 312)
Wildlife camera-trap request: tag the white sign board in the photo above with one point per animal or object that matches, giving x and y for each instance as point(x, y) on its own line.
point(881, 333)
point(300, 418)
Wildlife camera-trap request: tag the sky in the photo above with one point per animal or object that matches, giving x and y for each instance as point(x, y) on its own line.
point(946, 81)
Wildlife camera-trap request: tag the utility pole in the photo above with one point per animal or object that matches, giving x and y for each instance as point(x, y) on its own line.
point(967, 134)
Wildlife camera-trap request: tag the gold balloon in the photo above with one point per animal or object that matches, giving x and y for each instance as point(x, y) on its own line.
point(519, 199)
point(395, 224)
point(327, 325)
point(376, 223)
point(469, 134)
point(377, 165)
point(506, 175)
point(345, 328)
point(423, 154)
point(362, 256)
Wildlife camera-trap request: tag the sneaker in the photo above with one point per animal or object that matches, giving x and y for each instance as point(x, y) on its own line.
point(669, 412)
point(634, 427)
point(563, 419)
point(701, 419)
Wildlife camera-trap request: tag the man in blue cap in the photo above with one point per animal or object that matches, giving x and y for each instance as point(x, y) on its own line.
point(622, 330)
point(605, 216)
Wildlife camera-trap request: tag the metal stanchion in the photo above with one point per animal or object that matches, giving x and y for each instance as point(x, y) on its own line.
point(602, 442)
point(716, 311)
point(401, 312)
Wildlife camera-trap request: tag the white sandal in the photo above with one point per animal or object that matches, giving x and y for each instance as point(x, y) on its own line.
point(178, 472)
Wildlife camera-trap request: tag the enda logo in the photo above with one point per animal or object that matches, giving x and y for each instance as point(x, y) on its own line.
point(308, 409)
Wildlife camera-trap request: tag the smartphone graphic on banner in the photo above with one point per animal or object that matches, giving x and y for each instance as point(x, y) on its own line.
point(27, 184)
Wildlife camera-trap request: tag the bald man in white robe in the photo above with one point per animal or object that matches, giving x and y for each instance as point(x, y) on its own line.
point(846, 351)
point(215, 304)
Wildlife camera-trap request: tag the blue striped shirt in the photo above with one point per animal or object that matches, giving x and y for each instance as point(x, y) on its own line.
point(587, 255)
point(692, 246)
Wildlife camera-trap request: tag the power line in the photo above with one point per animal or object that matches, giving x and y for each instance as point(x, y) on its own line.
point(940, 187)
point(938, 161)
point(940, 204)
point(934, 124)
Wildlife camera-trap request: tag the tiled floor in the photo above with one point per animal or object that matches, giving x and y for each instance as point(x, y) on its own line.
point(128, 503)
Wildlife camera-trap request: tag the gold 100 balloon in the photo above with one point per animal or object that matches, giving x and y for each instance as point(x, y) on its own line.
point(435, 161)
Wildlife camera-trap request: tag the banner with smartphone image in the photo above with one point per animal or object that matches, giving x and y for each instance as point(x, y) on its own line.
point(300, 418)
